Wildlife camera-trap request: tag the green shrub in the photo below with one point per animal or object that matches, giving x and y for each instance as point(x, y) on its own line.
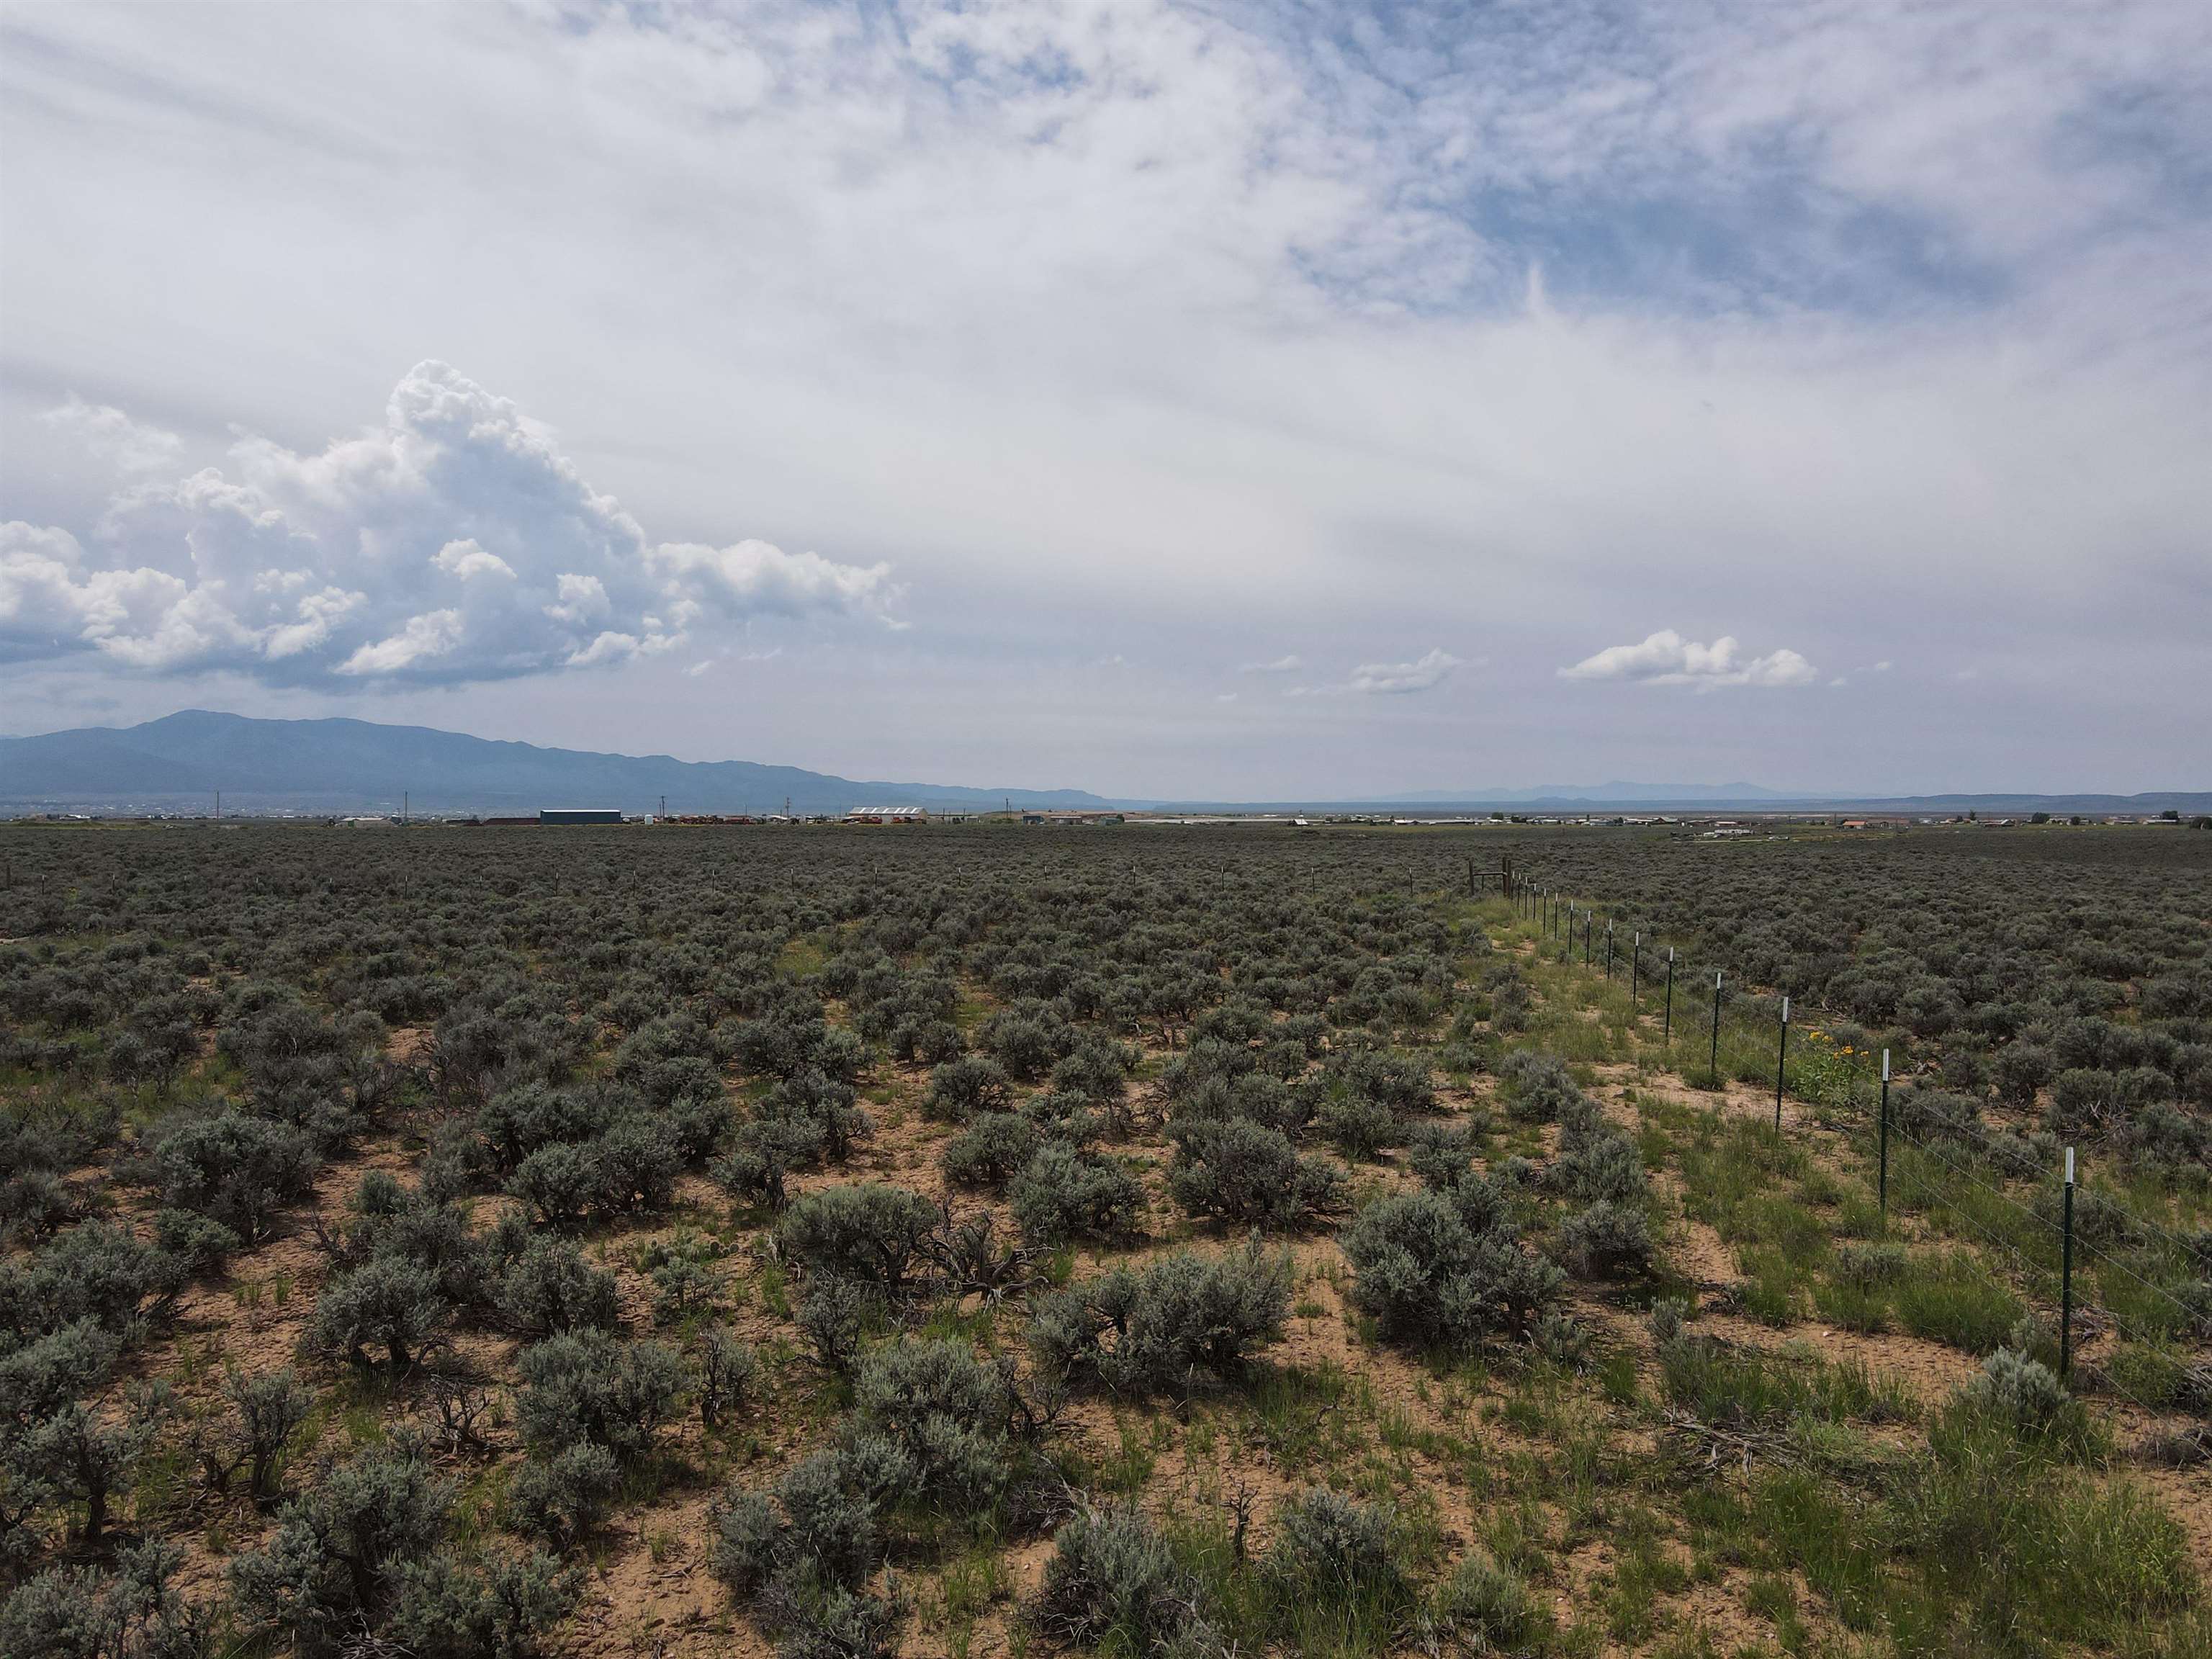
point(385, 1302)
point(685, 1282)
point(1428, 1278)
point(1026, 1040)
point(97, 1270)
point(763, 1154)
point(559, 1182)
point(268, 1409)
point(2025, 1396)
point(1177, 1321)
point(564, 1494)
point(333, 1565)
point(234, 1170)
point(1485, 1606)
point(506, 1610)
point(829, 1522)
point(1063, 1194)
point(1242, 1173)
point(1358, 1126)
point(821, 1107)
point(1443, 1155)
point(1112, 1584)
point(801, 1562)
point(197, 1244)
point(1605, 1238)
point(85, 1456)
point(837, 1317)
point(86, 1612)
point(587, 1387)
point(869, 1234)
point(1335, 1562)
point(1399, 1082)
point(723, 1375)
point(1599, 1164)
point(960, 1089)
point(992, 1150)
point(1536, 1087)
point(550, 1289)
point(957, 1429)
point(1094, 1071)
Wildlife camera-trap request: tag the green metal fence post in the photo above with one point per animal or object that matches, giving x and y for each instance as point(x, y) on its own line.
point(1781, 1058)
point(1715, 1067)
point(1883, 1141)
point(2066, 1279)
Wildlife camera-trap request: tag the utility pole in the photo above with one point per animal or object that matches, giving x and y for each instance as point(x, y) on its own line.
point(218, 806)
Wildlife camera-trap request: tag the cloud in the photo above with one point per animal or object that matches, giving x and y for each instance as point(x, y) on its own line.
point(1280, 665)
point(1159, 322)
point(425, 638)
point(466, 559)
point(1424, 673)
point(112, 435)
point(455, 543)
point(1666, 658)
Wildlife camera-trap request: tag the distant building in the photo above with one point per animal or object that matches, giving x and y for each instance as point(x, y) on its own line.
point(580, 815)
point(887, 815)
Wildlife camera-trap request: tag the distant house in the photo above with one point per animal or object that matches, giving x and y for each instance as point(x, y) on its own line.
point(888, 815)
point(580, 815)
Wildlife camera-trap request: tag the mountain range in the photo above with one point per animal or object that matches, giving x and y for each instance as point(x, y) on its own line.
point(347, 765)
point(180, 761)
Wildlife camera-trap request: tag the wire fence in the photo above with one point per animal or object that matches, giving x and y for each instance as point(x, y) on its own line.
point(1723, 1032)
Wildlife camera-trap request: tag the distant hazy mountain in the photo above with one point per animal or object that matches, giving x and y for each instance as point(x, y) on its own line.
point(1610, 794)
point(343, 764)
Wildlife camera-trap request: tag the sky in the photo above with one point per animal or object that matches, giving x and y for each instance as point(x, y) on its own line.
point(1201, 401)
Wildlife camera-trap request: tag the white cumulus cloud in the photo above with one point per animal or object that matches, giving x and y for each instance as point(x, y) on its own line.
point(1424, 673)
point(1666, 658)
point(1280, 665)
point(453, 543)
point(112, 435)
point(464, 558)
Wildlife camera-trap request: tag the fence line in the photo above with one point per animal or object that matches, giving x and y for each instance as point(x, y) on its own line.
point(1555, 914)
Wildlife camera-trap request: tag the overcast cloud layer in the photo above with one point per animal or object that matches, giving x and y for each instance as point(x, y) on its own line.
point(1230, 403)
